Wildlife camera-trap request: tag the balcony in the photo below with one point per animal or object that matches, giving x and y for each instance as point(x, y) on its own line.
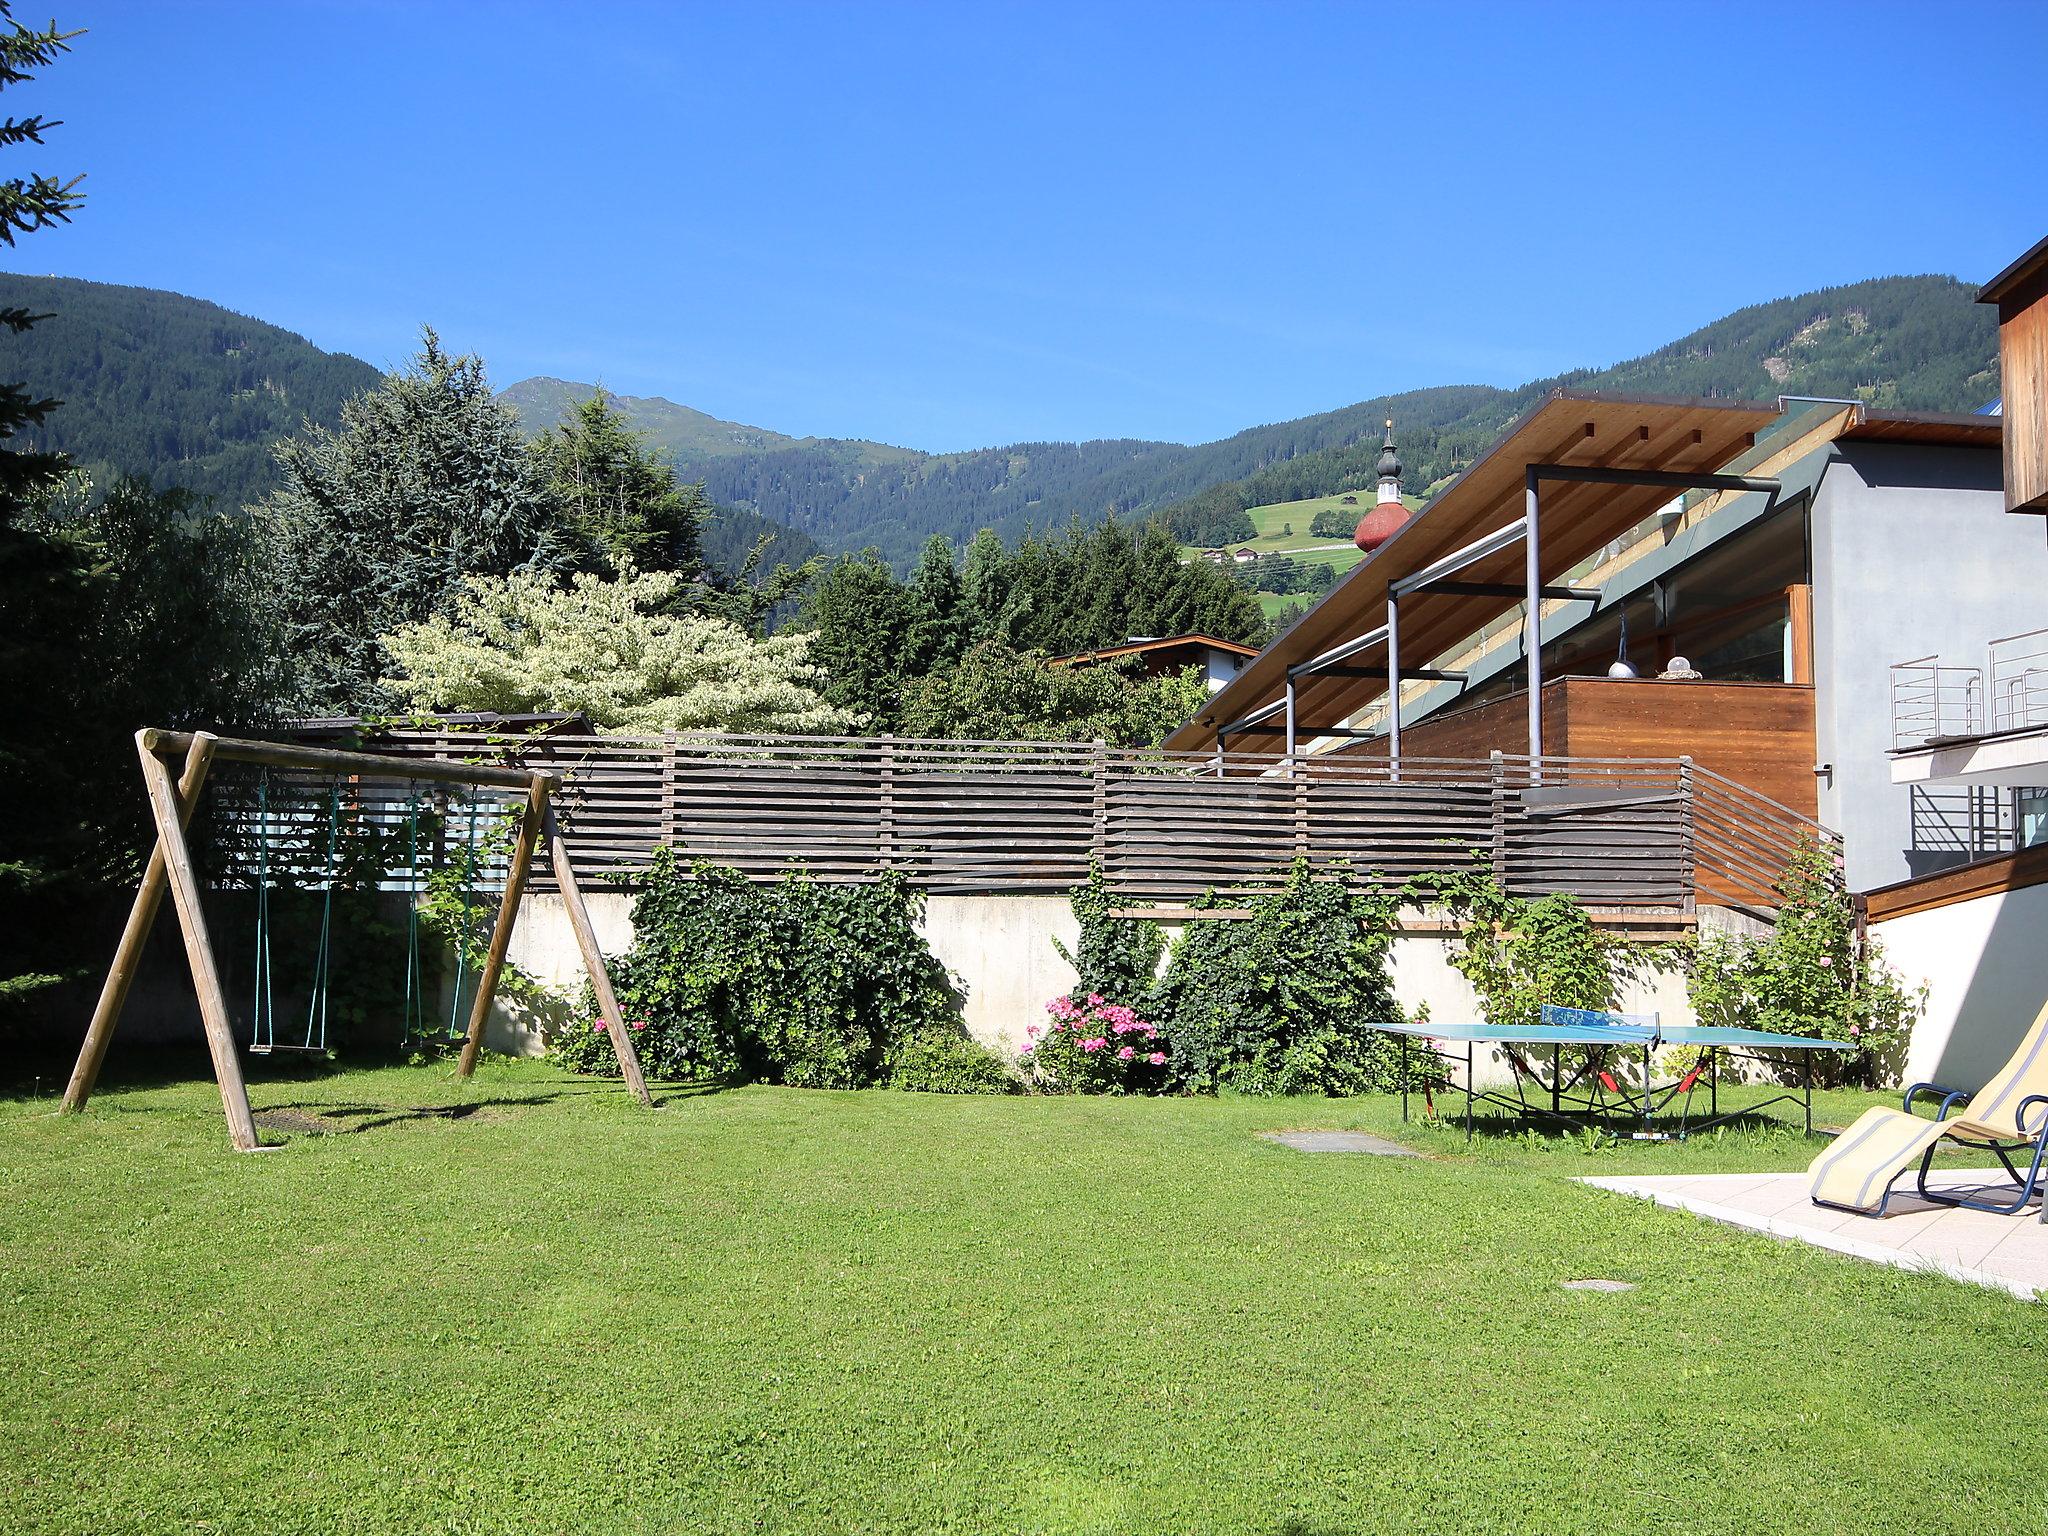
point(1935, 702)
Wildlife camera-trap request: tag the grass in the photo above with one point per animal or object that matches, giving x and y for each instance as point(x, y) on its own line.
point(536, 1308)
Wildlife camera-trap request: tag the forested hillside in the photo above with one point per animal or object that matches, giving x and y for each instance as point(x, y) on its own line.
point(173, 387)
point(1908, 342)
point(195, 395)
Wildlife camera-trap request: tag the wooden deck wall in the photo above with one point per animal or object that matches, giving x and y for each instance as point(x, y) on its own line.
point(973, 818)
point(1758, 734)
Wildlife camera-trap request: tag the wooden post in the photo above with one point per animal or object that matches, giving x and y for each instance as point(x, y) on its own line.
point(1098, 804)
point(508, 913)
point(593, 958)
point(1497, 795)
point(885, 821)
point(213, 1008)
point(149, 898)
point(1689, 788)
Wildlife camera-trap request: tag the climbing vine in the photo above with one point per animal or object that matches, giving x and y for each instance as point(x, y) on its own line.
point(794, 982)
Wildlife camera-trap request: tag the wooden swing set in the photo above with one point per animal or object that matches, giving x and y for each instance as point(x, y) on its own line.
point(170, 864)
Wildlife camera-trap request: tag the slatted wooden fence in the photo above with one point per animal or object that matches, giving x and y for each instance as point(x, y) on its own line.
point(987, 817)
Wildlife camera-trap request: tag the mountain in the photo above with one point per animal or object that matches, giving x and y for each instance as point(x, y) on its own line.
point(542, 402)
point(1904, 342)
point(195, 395)
point(170, 386)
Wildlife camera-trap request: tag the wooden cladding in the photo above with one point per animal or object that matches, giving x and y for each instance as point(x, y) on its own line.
point(2021, 294)
point(1994, 876)
point(1758, 734)
point(975, 818)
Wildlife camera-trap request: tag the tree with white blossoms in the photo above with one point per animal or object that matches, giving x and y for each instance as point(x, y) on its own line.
point(526, 642)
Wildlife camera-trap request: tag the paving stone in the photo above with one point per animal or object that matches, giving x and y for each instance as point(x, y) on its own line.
point(1599, 1285)
point(1340, 1141)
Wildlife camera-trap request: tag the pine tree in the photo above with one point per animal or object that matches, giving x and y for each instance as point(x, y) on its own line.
point(937, 623)
point(623, 505)
point(27, 204)
point(427, 480)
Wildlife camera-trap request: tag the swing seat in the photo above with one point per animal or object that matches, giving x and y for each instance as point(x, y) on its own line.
point(287, 1050)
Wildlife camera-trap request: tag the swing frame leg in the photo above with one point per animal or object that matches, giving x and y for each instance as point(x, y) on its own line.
point(149, 899)
point(593, 960)
point(530, 822)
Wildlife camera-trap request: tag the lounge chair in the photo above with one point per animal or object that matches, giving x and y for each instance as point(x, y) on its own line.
point(2007, 1115)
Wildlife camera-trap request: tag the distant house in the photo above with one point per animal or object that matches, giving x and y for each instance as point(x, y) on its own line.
point(1244, 556)
point(1220, 660)
point(1215, 556)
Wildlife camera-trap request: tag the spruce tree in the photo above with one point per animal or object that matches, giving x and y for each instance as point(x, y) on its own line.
point(428, 479)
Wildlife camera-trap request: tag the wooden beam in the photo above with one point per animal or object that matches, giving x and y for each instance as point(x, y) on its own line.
point(149, 898)
point(277, 754)
point(530, 822)
point(593, 958)
point(213, 1008)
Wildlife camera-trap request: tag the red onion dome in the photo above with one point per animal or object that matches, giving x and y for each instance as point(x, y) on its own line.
point(1380, 525)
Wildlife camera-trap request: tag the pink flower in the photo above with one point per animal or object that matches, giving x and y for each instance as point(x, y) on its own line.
point(639, 1023)
point(1827, 960)
point(1094, 1044)
point(1157, 1058)
point(1028, 1049)
point(1094, 999)
point(1125, 1054)
point(1855, 1030)
point(597, 1026)
point(1121, 1027)
point(1031, 1030)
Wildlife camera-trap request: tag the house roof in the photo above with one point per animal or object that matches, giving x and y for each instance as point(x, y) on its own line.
point(1569, 427)
point(1167, 643)
point(2023, 273)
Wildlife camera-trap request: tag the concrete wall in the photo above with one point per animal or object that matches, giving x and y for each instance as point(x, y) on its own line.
point(1000, 950)
point(1913, 554)
point(1986, 972)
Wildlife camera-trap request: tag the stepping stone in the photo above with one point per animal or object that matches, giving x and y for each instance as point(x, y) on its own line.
point(1599, 1285)
point(1340, 1141)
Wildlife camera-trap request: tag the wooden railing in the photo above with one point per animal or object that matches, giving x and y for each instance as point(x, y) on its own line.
point(991, 817)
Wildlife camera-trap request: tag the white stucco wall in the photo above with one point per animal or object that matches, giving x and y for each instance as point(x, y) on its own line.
point(1000, 950)
point(1986, 972)
point(1914, 554)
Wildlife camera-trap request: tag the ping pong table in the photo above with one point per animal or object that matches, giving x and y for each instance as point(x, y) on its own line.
point(1591, 1092)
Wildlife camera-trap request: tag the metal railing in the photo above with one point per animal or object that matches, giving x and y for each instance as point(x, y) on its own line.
point(2019, 681)
point(1937, 701)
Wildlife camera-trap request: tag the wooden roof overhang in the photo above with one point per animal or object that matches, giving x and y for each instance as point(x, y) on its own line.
point(1575, 429)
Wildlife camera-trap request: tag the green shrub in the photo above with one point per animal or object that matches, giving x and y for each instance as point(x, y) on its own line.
point(948, 1061)
point(1810, 976)
point(795, 982)
point(1278, 1002)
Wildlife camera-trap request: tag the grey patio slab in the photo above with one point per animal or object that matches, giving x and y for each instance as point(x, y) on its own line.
point(1340, 1141)
point(2007, 1253)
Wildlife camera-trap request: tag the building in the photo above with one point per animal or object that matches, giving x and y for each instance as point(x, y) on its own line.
point(1220, 660)
point(1722, 581)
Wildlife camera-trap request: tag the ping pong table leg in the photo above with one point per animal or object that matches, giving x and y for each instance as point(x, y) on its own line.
point(1646, 1089)
point(1554, 1102)
point(1468, 1090)
point(1806, 1086)
point(1404, 1079)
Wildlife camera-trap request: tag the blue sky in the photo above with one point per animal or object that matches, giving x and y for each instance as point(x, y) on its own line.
point(962, 224)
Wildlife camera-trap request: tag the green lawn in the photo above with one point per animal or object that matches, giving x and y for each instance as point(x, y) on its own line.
point(778, 1311)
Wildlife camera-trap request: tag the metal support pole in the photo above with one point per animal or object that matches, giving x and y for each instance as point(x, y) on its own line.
point(1468, 1090)
point(1394, 687)
point(1532, 637)
point(1290, 720)
point(1404, 1079)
